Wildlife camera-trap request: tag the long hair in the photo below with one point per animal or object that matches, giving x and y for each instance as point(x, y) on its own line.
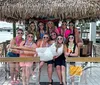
point(67, 43)
point(29, 27)
point(51, 33)
point(47, 28)
point(57, 45)
point(39, 27)
point(73, 29)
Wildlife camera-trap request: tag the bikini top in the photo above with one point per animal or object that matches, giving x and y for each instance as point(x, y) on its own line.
point(28, 45)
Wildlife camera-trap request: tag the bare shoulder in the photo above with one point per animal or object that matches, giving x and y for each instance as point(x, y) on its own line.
point(12, 41)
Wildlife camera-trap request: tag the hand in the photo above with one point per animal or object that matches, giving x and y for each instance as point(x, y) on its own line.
point(54, 57)
point(35, 55)
point(11, 46)
point(10, 50)
point(67, 54)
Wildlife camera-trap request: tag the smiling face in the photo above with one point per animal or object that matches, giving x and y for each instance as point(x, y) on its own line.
point(64, 25)
point(20, 33)
point(30, 37)
point(60, 39)
point(53, 35)
point(50, 24)
point(41, 25)
point(71, 25)
point(46, 37)
point(71, 38)
point(32, 26)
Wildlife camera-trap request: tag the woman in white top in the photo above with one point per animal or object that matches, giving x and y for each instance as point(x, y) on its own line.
point(51, 52)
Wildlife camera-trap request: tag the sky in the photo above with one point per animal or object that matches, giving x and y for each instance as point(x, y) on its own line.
point(5, 24)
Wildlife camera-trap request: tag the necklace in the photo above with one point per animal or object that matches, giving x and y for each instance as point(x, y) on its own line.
point(71, 46)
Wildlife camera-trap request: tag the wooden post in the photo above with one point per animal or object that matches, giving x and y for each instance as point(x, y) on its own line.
point(14, 29)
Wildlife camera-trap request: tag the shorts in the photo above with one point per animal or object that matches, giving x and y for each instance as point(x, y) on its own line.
point(11, 54)
point(50, 62)
point(60, 61)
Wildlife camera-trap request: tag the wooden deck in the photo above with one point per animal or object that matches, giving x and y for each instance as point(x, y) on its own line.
point(89, 77)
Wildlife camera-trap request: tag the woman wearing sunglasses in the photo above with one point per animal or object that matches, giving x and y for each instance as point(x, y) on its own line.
point(32, 28)
point(27, 66)
point(71, 50)
point(76, 34)
point(50, 27)
point(52, 52)
point(41, 43)
point(41, 30)
point(60, 63)
point(63, 30)
point(50, 63)
point(14, 67)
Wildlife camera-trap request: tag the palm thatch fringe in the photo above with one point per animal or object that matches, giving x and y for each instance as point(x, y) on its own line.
point(23, 9)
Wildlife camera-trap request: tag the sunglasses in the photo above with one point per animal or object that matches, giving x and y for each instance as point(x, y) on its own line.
point(30, 36)
point(45, 37)
point(71, 37)
point(19, 33)
point(59, 38)
point(50, 23)
point(53, 34)
point(64, 24)
point(40, 25)
point(71, 25)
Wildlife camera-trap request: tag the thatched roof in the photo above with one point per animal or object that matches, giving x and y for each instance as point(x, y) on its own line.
point(23, 9)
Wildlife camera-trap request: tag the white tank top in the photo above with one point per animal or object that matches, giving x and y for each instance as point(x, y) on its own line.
point(58, 52)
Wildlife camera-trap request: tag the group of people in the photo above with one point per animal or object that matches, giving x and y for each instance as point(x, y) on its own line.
point(52, 44)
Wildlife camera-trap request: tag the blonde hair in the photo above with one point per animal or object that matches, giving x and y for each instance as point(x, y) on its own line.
point(47, 28)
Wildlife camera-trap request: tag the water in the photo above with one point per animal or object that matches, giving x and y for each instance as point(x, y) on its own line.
point(5, 36)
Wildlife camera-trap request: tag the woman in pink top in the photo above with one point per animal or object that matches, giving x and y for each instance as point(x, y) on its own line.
point(26, 66)
point(63, 30)
point(14, 67)
point(76, 34)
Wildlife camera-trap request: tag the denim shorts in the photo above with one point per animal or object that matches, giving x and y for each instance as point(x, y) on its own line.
point(11, 54)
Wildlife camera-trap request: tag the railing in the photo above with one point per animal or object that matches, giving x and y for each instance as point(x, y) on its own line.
point(6, 69)
point(3, 50)
point(96, 49)
point(19, 59)
point(37, 59)
point(83, 59)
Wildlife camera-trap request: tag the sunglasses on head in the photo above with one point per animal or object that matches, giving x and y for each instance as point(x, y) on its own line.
point(20, 33)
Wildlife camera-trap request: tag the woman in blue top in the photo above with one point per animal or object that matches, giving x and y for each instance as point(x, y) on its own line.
point(41, 30)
